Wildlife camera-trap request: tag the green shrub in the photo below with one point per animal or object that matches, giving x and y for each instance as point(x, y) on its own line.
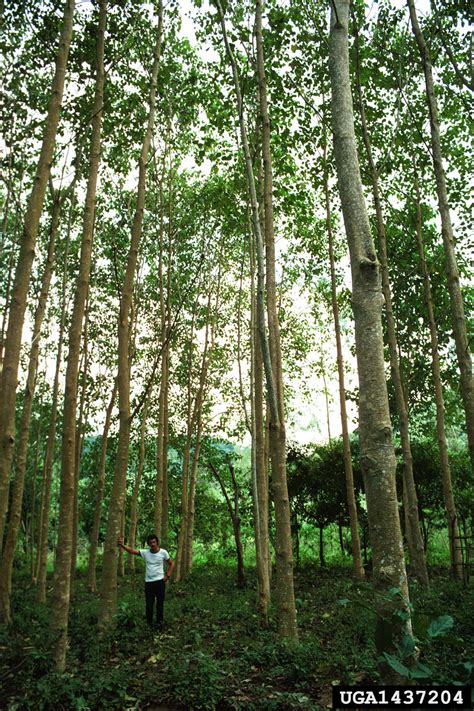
point(195, 680)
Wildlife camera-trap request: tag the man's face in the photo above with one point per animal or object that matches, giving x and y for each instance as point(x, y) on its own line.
point(154, 546)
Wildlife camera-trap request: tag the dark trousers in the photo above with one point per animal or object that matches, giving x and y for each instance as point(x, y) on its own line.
point(155, 589)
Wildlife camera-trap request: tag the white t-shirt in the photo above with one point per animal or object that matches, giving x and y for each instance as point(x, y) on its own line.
point(154, 564)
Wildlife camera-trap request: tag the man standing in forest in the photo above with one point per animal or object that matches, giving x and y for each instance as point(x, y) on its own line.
point(155, 577)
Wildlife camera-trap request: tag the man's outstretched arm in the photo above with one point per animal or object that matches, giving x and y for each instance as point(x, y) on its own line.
point(133, 551)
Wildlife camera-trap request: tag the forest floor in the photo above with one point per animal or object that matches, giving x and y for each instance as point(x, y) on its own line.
point(213, 653)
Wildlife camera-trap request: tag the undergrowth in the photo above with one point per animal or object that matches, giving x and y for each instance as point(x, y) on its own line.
point(213, 652)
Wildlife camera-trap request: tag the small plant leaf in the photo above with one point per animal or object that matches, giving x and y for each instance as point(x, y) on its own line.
point(407, 646)
point(421, 672)
point(440, 626)
point(397, 665)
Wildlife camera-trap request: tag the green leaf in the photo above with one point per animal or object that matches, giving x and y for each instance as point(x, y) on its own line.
point(421, 672)
point(440, 626)
point(397, 665)
point(407, 646)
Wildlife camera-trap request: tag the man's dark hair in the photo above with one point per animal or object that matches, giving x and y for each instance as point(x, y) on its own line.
point(152, 537)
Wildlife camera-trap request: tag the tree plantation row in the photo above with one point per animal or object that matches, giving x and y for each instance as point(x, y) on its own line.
point(214, 215)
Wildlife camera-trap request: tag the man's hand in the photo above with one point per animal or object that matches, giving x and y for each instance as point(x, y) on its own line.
point(132, 551)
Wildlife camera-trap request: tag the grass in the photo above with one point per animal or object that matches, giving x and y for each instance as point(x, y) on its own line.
point(213, 653)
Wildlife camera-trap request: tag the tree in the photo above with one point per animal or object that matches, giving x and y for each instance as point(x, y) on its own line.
point(375, 431)
point(14, 515)
point(234, 513)
point(116, 506)
point(99, 497)
point(349, 478)
point(286, 602)
point(452, 271)
point(62, 569)
point(413, 531)
point(277, 434)
point(16, 316)
point(47, 472)
point(453, 529)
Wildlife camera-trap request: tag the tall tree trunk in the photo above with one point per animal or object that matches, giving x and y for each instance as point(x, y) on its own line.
point(326, 398)
point(236, 527)
point(188, 550)
point(180, 553)
point(259, 463)
point(109, 576)
point(62, 568)
point(424, 529)
point(165, 495)
point(166, 372)
point(341, 538)
point(457, 306)
point(322, 562)
point(183, 562)
point(296, 529)
point(453, 529)
point(11, 261)
point(165, 380)
point(285, 590)
point(7, 300)
point(8, 554)
point(197, 415)
point(28, 522)
point(349, 474)
point(414, 538)
point(239, 346)
point(132, 535)
point(6, 204)
point(9, 375)
point(32, 522)
point(121, 560)
point(160, 453)
point(100, 485)
point(42, 553)
point(284, 554)
point(406, 508)
point(377, 452)
point(233, 510)
point(80, 434)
